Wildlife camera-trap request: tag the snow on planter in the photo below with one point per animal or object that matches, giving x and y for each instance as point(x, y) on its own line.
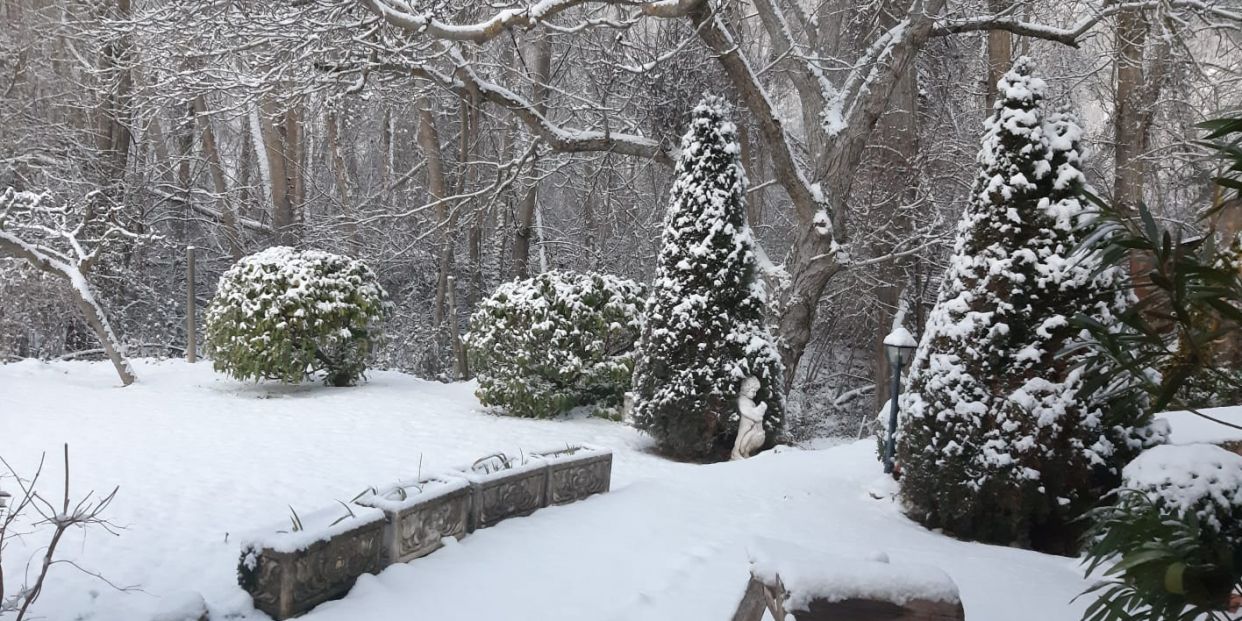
point(575, 472)
point(504, 486)
point(1200, 479)
point(787, 579)
point(418, 515)
point(288, 572)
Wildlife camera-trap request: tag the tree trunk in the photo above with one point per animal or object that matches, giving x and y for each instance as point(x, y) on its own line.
point(284, 151)
point(539, 54)
point(228, 217)
point(895, 172)
point(116, 111)
point(1137, 88)
point(1000, 54)
point(437, 191)
point(340, 173)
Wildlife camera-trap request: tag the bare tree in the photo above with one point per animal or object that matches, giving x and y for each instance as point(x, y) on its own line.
point(66, 242)
point(85, 512)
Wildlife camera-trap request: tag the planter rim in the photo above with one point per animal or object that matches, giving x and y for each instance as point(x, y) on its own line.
point(580, 451)
point(531, 464)
point(316, 526)
point(434, 487)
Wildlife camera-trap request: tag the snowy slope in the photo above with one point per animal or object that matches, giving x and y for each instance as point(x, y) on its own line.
point(198, 458)
point(1190, 428)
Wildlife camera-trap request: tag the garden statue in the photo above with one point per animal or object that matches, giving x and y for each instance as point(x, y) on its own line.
point(750, 433)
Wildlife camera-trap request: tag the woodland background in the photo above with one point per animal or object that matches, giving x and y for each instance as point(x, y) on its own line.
point(453, 145)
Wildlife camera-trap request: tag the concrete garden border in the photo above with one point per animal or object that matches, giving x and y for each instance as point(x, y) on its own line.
point(576, 472)
point(319, 557)
point(418, 515)
point(503, 486)
point(288, 573)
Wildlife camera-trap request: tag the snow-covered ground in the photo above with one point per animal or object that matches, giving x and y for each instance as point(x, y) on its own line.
point(202, 461)
point(1191, 428)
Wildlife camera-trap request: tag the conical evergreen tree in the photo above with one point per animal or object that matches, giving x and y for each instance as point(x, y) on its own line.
point(704, 331)
point(1000, 442)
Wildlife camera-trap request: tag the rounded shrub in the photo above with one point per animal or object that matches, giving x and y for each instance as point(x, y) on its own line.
point(560, 340)
point(289, 315)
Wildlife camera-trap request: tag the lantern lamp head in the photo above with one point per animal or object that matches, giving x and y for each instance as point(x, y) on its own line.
point(899, 347)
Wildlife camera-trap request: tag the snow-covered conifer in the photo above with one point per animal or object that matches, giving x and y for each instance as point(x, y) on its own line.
point(704, 331)
point(285, 314)
point(999, 440)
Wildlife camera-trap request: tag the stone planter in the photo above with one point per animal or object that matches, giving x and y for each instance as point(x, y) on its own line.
point(288, 573)
point(503, 487)
point(577, 472)
point(419, 514)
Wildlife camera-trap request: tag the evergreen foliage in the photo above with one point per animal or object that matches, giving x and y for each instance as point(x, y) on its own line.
point(1000, 441)
point(1171, 543)
point(704, 331)
point(1171, 537)
point(554, 342)
point(287, 315)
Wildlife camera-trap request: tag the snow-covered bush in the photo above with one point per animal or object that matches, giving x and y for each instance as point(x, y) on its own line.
point(554, 342)
point(704, 331)
point(1002, 440)
point(287, 315)
point(1171, 542)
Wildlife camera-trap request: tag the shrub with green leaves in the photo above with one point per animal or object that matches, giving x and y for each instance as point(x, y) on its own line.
point(289, 315)
point(1171, 546)
point(560, 340)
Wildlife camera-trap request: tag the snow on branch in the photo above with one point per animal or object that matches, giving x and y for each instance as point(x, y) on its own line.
point(789, 171)
point(466, 81)
point(1073, 34)
point(404, 16)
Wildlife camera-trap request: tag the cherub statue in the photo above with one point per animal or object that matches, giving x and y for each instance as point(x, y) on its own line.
point(750, 433)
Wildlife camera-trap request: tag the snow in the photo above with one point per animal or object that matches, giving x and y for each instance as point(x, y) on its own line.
point(813, 574)
point(1190, 478)
point(318, 525)
point(1190, 428)
point(405, 494)
point(203, 461)
point(900, 337)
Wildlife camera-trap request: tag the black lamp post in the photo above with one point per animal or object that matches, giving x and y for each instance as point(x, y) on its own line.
point(899, 348)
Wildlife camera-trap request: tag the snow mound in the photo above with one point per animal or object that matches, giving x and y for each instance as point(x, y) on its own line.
point(1199, 479)
point(808, 575)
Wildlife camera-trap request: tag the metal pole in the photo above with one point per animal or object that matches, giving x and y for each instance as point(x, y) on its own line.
point(191, 332)
point(890, 444)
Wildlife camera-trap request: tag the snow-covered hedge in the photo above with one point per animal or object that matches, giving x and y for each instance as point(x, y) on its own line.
point(554, 342)
point(287, 315)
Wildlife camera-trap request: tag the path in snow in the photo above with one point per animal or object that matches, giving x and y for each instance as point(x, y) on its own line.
point(198, 456)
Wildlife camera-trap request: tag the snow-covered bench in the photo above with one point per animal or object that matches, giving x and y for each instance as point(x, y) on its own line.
point(791, 582)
